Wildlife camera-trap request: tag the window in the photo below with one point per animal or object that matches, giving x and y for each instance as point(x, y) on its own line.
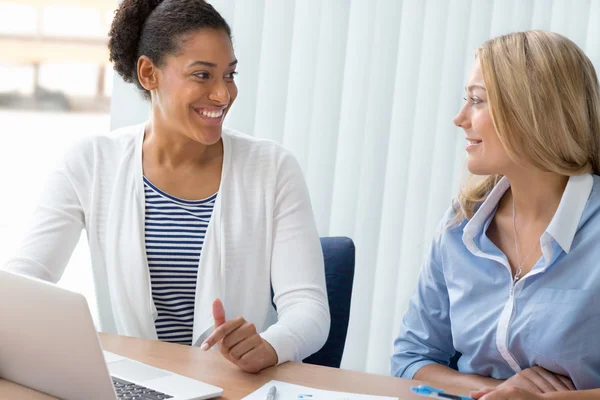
point(55, 88)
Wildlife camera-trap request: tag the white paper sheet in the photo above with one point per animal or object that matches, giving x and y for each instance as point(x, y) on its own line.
point(288, 391)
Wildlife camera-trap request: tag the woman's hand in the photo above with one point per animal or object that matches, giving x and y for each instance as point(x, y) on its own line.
point(528, 384)
point(239, 342)
point(539, 380)
point(505, 393)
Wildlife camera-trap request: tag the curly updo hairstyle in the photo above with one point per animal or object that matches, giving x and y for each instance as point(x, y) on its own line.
point(155, 28)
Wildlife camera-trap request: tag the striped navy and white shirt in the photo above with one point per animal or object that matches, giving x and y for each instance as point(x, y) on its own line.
point(175, 231)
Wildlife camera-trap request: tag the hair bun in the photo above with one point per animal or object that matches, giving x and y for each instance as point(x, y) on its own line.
point(125, 33)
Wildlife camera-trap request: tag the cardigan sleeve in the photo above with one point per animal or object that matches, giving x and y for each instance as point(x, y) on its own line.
point(55, 227)
point(297, 270)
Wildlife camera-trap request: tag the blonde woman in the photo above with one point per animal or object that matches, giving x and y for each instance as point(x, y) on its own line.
point(512, 281)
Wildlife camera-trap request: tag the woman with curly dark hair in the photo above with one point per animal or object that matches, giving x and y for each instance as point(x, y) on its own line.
point(187, 221)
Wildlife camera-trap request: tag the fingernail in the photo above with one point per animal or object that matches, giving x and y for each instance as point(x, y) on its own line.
point(204, 346)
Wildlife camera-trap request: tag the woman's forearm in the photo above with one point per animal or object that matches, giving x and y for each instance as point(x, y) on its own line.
point(446, 376)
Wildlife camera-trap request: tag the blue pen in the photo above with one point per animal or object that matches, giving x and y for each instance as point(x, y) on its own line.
point(430, 391)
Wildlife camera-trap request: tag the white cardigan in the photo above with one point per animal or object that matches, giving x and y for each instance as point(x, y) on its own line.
point(262, 232)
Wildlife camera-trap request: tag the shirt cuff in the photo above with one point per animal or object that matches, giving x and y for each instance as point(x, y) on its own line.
point(409, 373)
point(282, 342)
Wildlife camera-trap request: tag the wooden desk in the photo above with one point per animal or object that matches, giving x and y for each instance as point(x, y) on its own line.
point(211, 367)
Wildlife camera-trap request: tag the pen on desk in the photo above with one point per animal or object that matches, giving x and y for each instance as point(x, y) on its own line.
point(272, 393)
point(430, 391)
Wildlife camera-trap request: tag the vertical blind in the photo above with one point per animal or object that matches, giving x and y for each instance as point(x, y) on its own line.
point(363, 92)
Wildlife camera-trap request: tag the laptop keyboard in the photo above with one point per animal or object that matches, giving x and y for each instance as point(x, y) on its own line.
point(130, 391)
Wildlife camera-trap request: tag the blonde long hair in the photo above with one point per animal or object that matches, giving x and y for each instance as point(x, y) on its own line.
point(545, 105)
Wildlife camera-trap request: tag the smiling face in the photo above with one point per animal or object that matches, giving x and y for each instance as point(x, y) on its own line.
point(195, 87)
point(485, 153)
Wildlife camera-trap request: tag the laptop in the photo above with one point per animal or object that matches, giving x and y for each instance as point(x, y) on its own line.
point(48, 342)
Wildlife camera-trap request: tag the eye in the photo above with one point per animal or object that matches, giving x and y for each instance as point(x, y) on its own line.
point(231, 75)
point(202, 75)
point(473, 100)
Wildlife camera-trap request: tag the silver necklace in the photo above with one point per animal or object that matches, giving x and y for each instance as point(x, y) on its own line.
point(519, 263)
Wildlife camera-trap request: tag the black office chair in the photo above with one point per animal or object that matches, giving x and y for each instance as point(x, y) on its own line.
point(339, 254)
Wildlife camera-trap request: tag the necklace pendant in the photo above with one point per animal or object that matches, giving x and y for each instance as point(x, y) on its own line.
point(517, 275)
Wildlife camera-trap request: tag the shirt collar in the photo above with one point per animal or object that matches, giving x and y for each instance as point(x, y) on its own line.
point(563, 225)
point(565, 222)
point(485, 211)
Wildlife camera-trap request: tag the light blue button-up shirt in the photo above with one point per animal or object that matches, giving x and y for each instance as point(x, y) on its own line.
point(466, 301)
